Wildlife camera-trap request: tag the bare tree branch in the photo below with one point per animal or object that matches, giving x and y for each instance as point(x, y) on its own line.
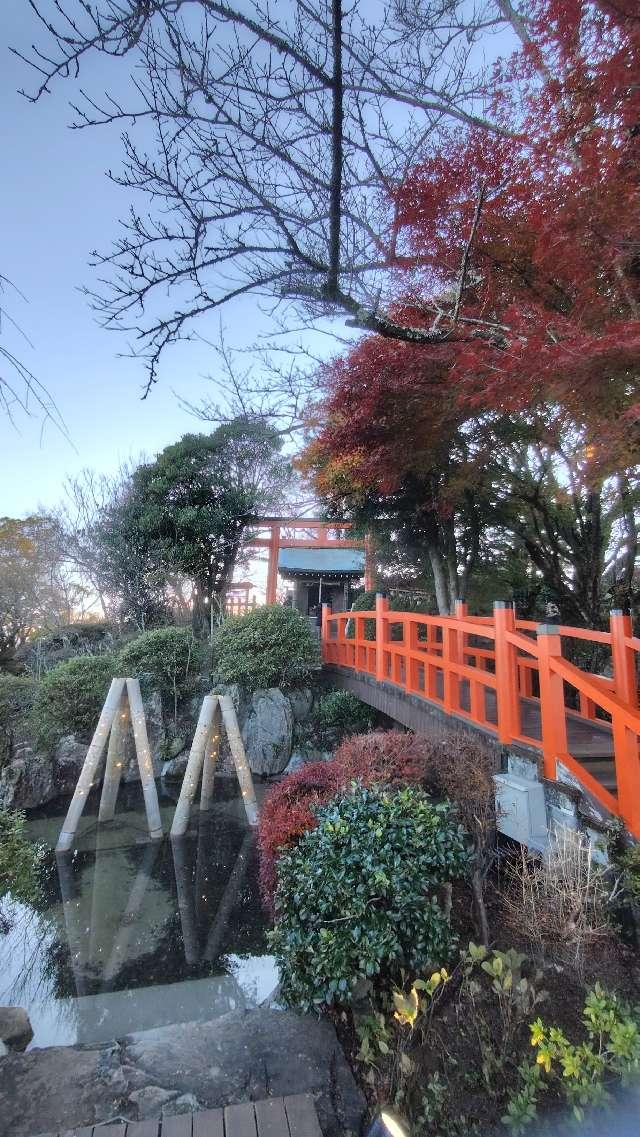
point(20, 389)
point(262, 144)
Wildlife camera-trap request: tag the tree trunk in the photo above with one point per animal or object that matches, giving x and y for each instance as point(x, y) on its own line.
point(480, 908)
point(438, 567)
point(200, 612)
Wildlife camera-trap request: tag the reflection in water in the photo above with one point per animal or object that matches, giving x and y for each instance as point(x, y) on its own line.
point(134, 934)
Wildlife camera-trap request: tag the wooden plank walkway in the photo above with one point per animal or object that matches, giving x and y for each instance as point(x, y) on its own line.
point(274, 1117)
point(590, 742)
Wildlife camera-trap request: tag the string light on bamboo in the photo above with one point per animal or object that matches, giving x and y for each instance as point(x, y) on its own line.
point(122, 705)
point(203, 758)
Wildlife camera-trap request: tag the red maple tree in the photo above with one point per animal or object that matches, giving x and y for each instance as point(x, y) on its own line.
point(528, 243)
point(525, 246)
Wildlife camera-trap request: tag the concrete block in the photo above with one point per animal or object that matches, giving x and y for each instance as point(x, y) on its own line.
point(521, 809)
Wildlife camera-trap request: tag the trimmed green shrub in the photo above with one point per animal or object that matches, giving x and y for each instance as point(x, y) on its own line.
point(17, 694)
point(20, 859)
point(70, 698)
point(272, 646)
point(338, 715)
point(357, 896)
point(16, 700)
point(167, 660)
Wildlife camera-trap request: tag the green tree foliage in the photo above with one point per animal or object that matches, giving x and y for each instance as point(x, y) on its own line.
point(20, 859)
point(17, 695)
point(128, 563)
point(70, 698)
point(338, 714)
point(272, 646)
point(186, 511)
point(165, 659)
point(357, 896)
point(31, 590)
point(403, 602)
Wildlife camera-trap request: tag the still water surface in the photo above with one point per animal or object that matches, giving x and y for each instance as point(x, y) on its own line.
point(132, 934)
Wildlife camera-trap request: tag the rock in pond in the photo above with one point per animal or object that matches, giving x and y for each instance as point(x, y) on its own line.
point(174, 769)
point(27, 780)
point(301, 699)
point(151, 1100)
point(69, 758)
point(15, 1027)
point(268, 731)
point(186, 1103)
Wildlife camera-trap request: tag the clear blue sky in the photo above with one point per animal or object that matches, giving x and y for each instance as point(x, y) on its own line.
point(56, 205)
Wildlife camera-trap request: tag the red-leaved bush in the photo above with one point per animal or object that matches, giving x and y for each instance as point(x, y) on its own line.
point(286, 815)
point(389, 757)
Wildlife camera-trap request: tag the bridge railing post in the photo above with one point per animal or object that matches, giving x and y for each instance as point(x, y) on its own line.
point(625, 680)
point(324, 632)
point(553, 713)
point(382, 634)
point(461, 611)
point(625, 741)
point(507, 697)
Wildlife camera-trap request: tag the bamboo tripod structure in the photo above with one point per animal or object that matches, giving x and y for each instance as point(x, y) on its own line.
point(216, 711)
point(122, 707)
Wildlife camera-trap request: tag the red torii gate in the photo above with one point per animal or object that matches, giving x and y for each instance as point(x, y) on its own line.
point(282, 532)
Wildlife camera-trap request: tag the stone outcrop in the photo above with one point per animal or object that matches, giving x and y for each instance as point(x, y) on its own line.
point(301, 700)
point(242, 1056)
point(26, 777)
point(157, 735)
point(69, 756)
point(30, 777)
point(173, 770)
point(15, 1028)
point(267, 731)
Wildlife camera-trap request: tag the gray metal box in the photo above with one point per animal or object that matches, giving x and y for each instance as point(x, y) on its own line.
point(521, 810)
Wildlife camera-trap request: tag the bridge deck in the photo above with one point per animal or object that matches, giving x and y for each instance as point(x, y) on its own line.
point(275, 1117)
point(587, 739)
point(590, 741)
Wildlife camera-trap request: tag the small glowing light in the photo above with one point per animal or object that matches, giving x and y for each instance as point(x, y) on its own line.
point(387, 1125)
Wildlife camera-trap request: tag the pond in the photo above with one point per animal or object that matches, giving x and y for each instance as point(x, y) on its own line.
point(132, 934)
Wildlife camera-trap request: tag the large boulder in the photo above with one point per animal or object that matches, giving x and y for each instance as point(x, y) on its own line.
point(15, 1027)
point(173, 770)
point(27, 779)
point(267, 731)
point(69, 757)
point(300, 758)
point(301, 700)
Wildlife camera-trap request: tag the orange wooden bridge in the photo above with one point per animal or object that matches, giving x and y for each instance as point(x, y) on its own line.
point(510, 678)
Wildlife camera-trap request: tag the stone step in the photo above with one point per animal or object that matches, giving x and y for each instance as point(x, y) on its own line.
point(175, 1070)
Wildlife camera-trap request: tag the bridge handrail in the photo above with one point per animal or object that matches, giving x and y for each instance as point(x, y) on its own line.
point(524, 661)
